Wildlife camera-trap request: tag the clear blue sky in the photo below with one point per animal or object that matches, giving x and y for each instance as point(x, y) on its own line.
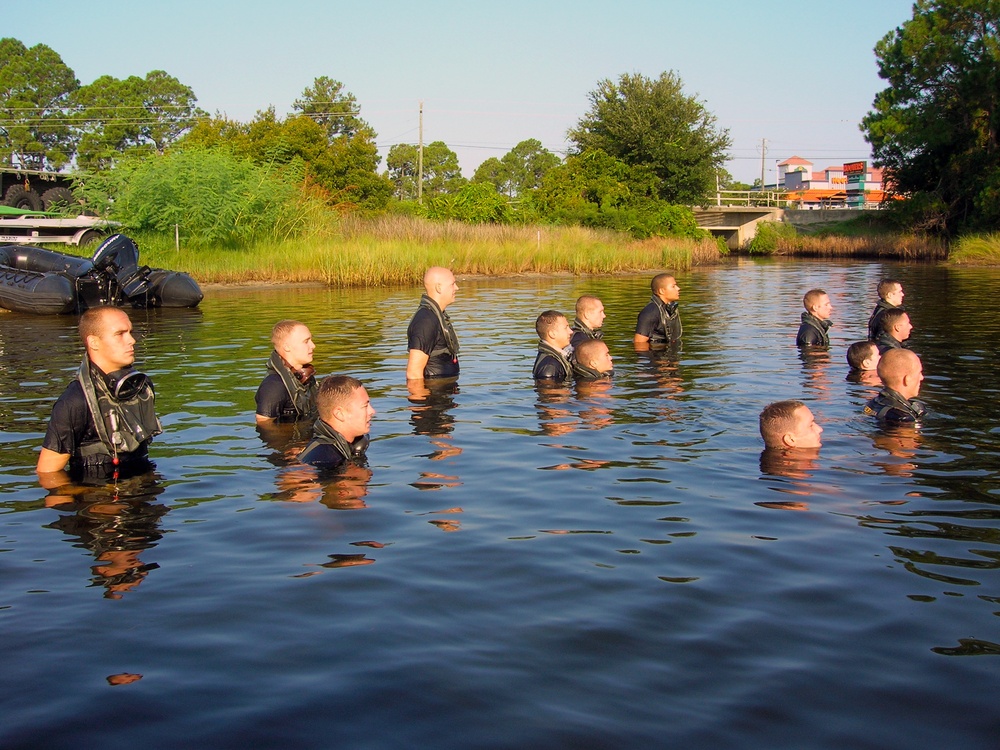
point(799, 74)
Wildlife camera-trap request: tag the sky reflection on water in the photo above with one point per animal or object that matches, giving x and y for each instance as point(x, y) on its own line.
point(580, 566)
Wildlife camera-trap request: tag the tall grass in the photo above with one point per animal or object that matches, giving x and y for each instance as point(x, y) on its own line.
point(395, 249)
point(898, 246)
point(977, 249)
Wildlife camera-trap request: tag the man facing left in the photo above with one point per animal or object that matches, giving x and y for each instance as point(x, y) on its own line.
point(103, 422)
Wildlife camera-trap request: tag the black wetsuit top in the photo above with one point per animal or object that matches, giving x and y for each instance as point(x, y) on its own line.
point(431, 332)
point(890, 407)
point(875, 321)
point(551, 364)
point(582, 332)
point(813, 331)
point(660, 322)
point(887, 341)
point(330, 450)
point(284, 395)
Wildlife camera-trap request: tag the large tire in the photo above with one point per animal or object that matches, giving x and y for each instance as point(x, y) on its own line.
point(90, 237)
point(19, 196)
point(58, 199)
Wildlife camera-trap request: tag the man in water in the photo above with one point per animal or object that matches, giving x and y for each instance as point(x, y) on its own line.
point(589, 319)
point(815, 320)
point(103, 422)
point(288, 393)
point(901, 373)
point(431, 339)
point(789, 424)
point(659, 322)
point(340, 435)
point(890, 297)
point(554, 350)
point(592, 361)
point(895, 329)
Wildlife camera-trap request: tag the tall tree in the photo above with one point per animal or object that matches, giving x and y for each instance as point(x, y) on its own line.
point(136, 114)
point(526, 164)
point(935, 128)
point(652, 123)
point(334, 109)
point(441, 173)
point(35, 85)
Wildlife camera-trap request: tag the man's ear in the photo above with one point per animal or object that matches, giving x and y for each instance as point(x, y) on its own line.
point(788, 440)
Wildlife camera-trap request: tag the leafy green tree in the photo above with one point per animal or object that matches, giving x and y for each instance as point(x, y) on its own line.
point(526, 165)
point(596, 190)
point(651, 123)
point(35, 85)
point(344, 168)
point(441, 172)
point(493, 172)
point(334, 109)
point(935, 128)
point(135, 114)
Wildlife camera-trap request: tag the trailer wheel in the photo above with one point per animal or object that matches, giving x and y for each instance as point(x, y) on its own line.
point(19, 196)
point(57, 198)
point(89, 237)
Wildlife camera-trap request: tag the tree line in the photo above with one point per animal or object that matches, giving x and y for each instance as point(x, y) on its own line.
point(642, 151)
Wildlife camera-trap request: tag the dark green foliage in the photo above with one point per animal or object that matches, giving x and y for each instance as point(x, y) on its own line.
point(476, 203)
point(936, 128)
point(652, 124)
point(35, 86)
point(599, 191)
point(768, 235)
point(214, 196)
point(441, 172)
point(144, 115)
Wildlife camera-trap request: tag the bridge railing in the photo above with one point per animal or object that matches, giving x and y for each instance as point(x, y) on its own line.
point(764, 198)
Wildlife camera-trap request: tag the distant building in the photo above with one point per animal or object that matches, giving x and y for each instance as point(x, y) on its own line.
point(825, 188)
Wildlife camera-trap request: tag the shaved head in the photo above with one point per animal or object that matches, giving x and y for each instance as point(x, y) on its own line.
point(900, 369)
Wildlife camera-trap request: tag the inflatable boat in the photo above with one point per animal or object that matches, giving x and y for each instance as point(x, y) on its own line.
point(45, 282)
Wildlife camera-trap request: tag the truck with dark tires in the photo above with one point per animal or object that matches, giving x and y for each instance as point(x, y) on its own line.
point(36, 190)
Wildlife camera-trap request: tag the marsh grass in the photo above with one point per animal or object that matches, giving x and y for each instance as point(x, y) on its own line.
point(876, 246)
point(397, 249)
point(981, 249)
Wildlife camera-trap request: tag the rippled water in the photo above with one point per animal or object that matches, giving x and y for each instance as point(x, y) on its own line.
point(601, 567)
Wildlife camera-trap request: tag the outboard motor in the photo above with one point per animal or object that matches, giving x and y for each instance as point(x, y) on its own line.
point(119, 255)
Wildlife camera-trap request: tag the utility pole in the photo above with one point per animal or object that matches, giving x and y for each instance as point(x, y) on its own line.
point(420, 159)
point(763, 153)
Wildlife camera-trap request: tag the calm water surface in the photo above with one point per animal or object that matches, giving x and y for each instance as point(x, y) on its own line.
point(593, 567)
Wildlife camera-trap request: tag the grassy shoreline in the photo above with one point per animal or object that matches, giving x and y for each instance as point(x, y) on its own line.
point(394, 250)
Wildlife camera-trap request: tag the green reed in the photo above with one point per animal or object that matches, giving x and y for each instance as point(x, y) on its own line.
point(977, 249)
point(397, 249)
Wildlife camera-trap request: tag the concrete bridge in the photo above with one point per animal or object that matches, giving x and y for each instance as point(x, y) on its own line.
point(737, 224)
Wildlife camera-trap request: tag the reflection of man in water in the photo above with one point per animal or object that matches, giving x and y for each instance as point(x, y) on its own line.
point(340, 435)
point(792, 441)
point(431, 340)
point(103, 422)
point(902, 374)
point(115, 528)
point(288, 393)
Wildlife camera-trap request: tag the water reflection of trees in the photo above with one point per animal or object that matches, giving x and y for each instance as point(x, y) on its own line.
point(115, 523)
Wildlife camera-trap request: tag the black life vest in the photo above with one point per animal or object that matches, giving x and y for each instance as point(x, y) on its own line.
point(300, 384)
point(122, 406)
